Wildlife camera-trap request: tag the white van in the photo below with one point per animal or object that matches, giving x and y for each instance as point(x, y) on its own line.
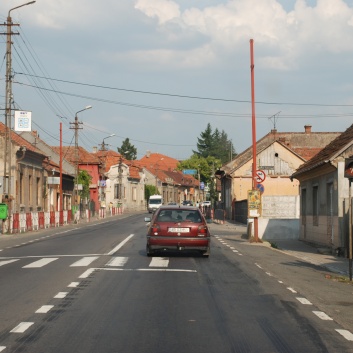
point(154, 202)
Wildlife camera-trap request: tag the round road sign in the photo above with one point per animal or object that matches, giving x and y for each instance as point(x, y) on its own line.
point(260, 176)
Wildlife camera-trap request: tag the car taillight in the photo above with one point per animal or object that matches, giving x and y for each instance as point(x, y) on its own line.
point(202, 231)
point(155, 229)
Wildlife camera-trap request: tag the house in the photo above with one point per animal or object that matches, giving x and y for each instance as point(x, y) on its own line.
point(161, 171)
point(278, 155)
point(324, 194)
point(125, 185)
point(84, 160)
point(52, 168)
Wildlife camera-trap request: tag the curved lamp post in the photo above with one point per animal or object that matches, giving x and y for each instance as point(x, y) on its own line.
point(103, 144)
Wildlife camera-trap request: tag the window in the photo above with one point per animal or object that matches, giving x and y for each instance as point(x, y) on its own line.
point(315, 205)
point(134, 194)
point(118, 191)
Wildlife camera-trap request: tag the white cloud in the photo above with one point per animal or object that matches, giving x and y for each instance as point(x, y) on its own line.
point(164, 10)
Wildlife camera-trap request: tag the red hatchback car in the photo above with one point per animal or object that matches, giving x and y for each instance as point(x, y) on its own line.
point(178, 228)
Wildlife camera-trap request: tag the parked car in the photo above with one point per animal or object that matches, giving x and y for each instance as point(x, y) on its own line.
point(187, 203)
point(206, 204)
point(178, 228)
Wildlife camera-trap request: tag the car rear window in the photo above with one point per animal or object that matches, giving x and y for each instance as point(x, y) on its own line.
point(179, 216)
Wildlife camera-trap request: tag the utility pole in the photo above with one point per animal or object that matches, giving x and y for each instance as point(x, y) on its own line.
point(76, 127)
point(8, 114)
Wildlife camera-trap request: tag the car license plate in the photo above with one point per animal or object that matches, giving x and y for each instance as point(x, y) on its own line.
point(178, 230)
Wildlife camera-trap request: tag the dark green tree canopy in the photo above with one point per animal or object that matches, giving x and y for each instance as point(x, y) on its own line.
point(215, 144)
point(127, 150)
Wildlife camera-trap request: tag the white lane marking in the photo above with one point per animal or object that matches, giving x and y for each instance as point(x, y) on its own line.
point(322, 315)
point(268, 274)
point(85, 261)
point(159, 262)
point(304, 301)
point(235, 251)
point(91, 270)
point(118, 261)
point(61, 295)
point(292, 290)
point(73, 284)
point(2, 348)
point(44, 309)
point(280, 282)
point(40, 263)
point(87, 273)
point(120, 245)
point(22, 327)
point(232, 248)
point(2, 263)
point(346, 334)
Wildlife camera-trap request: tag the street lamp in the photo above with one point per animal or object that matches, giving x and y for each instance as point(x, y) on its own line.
point(7, 149)
point(76, 123)
point(103, 144)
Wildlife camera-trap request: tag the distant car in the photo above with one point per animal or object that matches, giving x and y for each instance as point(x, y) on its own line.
point(172, 203)
point(206, 204)
point(187, 203)
point(178, 228)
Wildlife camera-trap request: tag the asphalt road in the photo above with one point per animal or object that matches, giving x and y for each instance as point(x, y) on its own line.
point(93, 289)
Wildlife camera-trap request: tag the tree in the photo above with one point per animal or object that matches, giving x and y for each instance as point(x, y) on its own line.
point(215, 144)
point(127, 150)
point(85, 179)
point(205, 142)
point(150, 190)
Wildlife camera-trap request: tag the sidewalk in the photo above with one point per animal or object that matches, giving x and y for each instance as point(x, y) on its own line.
point(296, 248)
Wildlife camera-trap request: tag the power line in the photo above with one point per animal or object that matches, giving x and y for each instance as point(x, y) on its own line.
point(190, 97)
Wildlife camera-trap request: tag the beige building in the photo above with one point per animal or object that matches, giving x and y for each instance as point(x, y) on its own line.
point(324, 194)
point(278, 155)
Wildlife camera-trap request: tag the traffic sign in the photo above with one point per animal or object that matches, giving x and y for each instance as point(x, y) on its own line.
point(260, 187)
point(190, 171)
point(260, 176)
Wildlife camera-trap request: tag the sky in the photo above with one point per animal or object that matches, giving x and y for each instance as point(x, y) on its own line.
point(158, 71)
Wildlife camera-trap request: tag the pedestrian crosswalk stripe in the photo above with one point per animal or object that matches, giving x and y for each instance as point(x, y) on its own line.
point(22, 327)
point(7, 262)
point(159, 262)
point(85, 261)
point(41, 262)
point(118, 261)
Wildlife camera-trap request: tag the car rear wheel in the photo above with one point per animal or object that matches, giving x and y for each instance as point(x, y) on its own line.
point(149, 252)
point(206, 253)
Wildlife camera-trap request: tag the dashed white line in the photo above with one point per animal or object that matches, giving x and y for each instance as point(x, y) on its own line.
point(2, 348)
point(22, 327)
point(292, 290)
point(322, 315)
point(44, 309)
point(87, 273)
point(73, 284)
point(61, 295)
point(303, 301)
point(346, 334)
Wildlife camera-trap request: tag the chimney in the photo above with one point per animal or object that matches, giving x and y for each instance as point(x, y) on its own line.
point(307, 129)
point(148, 154)
point(94, 149)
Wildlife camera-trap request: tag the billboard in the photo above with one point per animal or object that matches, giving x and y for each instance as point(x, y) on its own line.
point(23, 121)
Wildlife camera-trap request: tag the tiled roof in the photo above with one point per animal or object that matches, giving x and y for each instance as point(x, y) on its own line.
point(84, 157)
point(108, 158)
point(20, 141)
point(158, 161)
point(304, 144)
point(330, 152)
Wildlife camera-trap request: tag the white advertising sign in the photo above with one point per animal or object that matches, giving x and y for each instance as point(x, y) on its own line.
point(23, 121)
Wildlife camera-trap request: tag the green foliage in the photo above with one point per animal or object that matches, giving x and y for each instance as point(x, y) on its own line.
point(127, 150)
point(150, 190)
point(85, 179)
point(215, 144)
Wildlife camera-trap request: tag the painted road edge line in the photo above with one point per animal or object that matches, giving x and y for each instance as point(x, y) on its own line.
point(120, 245)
